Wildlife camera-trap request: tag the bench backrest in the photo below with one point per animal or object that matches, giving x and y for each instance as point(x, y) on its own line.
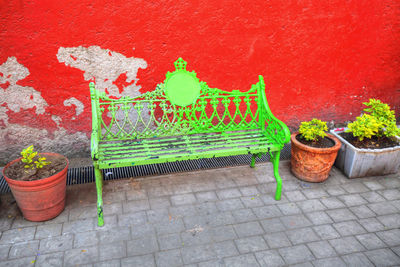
point(181, 105)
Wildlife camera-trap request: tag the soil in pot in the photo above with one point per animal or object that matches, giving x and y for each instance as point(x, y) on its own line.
point(17, 171)
point(320, 143)
point(370, 143)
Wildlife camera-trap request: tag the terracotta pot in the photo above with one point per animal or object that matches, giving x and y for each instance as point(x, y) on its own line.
point(312, 164)
point(42, 199)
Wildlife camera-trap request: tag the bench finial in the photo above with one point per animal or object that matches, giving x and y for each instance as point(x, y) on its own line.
point(180, 64)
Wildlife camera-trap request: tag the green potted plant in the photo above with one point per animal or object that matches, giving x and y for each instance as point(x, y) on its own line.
point(38, 183)
point(371, 144)
point(313, 151)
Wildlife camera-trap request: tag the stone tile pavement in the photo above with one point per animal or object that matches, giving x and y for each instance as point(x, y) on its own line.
point(220, 217)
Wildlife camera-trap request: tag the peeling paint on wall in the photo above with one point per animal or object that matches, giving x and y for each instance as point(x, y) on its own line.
point(14, 96)
point(105, 67)
point(78, 105)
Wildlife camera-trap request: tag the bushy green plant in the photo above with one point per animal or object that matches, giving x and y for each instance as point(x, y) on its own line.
point(312, 130)
point(378, 120)
point(32, 159)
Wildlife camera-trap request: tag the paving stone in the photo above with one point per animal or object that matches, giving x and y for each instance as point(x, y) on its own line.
point(396, 250)
point(136, 194)
point(24, 249)
point(225, 249)
point(212, 263)
point(390, 182)
point(390, 237)
point(144, 260)
point(243, 215)
point(383, 257)
point(207, 186)
point(184, 199)
point(372, 197)
point(390, 194)
point(81, 256)
point(245, 180)
point(248, 229)
point(273, 225)
point(277, 240)
point(242, 261)
point(206, 196)
point(340, 215)
point(110, 263)
point(326, 232)
point(169, 258)
point(370, 241)
point(224, 182)
point(208, 208)
point(319, 217)
point(20, 222)
point(356, 187)
point(373, 185)
point(315, 193)
point(18, 235)
point(172, 226)
point(252, 201)
point(311, 205)
point(321, 249)
point(142, 246)
point(335, 190)
point(110, 222)
point(144, 230)
point(304, 264)
point(303, 235)
point(82, 212)
point(223, 233)
point(57, 243)
point(51, 259)
point(295, 196)
point(21, 262)
point(295, 221)
point(115, 235)
point(289, 208)
point(228, 193)
point(180, 211)
point(135, 205)
point(270, 258)
point(159, 191)
point(362, 212)
point(169, 241)
point(357, 259)
point(79, 226)
point(109, 251)
point(86, 239)
point(4, 249)
point(48, 230)
point(395, 203)
point(329, 262)
point(371, 224)
point(248, 191)
point(332, 203)
point(346, 245)
point(230, 204)
point(390, 221)
point(382, 208)
point(129, 219)
point(182, 188)
point(267, 212)
point(352, 200)
point(159, 203)
point(197, 254)
point(349, 228)
point(251, 244)
point(296, 254)
point(196, 236)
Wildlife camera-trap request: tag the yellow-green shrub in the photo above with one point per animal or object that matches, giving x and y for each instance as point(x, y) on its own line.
point(312, 130)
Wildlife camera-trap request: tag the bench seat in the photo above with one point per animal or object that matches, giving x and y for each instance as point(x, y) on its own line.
point(175, 148)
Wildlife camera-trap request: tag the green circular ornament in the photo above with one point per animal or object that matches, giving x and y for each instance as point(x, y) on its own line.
point(182, 88)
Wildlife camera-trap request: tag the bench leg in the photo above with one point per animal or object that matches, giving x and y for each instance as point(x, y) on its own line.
point(275, 156)
point(253, 160)
point(99, 188)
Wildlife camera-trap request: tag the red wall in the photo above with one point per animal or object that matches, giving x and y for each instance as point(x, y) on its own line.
point(319, 58)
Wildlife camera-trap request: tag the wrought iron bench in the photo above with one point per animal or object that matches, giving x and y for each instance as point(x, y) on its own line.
point(183, 119)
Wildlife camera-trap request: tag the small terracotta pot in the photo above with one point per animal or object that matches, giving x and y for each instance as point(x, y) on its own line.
point(312, 164)
point(42, 199)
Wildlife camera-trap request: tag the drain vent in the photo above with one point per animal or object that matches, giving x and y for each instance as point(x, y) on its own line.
point(85, 175)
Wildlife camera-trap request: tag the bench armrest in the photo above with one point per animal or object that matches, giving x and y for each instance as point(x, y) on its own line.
point(273, 127)
point(94, 138)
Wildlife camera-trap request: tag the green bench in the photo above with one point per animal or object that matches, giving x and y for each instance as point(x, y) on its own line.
point(182, 119)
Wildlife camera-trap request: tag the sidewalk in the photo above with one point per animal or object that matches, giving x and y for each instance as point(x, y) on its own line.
point(219, 217)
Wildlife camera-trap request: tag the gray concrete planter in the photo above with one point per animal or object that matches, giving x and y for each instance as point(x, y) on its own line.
point(355, 162)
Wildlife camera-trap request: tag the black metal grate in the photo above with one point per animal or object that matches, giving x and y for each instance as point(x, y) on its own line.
point(84, 175)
